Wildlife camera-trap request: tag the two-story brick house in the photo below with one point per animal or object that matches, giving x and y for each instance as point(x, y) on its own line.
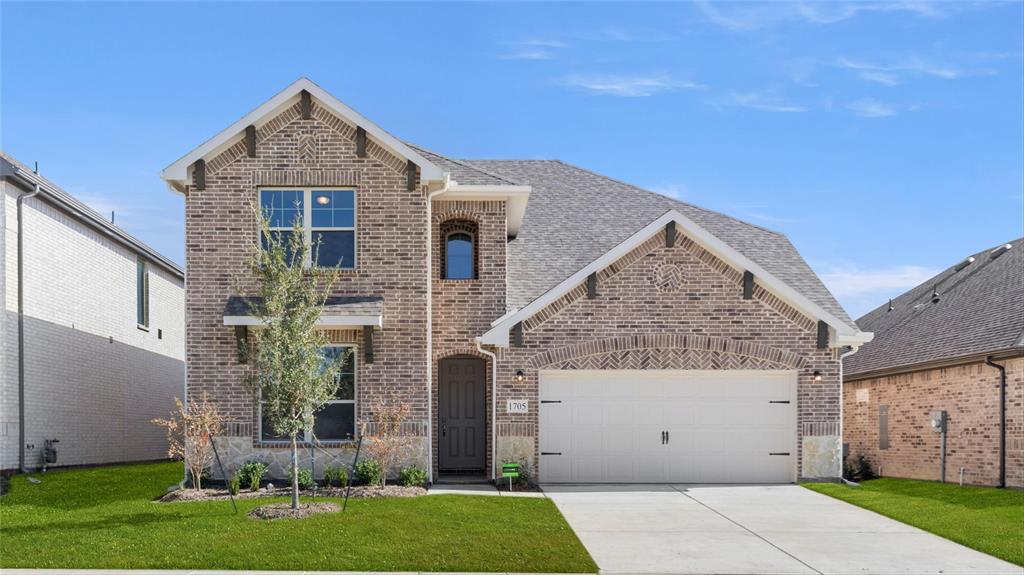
point(526, 310)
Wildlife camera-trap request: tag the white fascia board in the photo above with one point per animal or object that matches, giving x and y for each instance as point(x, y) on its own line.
point(515, 196)
point(498, 335)
point(176, 174)
point(324, 321)
point(854, 340)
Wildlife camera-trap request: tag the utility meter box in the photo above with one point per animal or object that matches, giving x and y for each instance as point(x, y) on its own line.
point(938, 421)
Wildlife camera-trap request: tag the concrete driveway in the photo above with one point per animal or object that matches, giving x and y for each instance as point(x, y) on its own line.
point(750, 530)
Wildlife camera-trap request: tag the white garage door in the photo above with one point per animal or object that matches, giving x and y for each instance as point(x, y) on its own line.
point(668, 427)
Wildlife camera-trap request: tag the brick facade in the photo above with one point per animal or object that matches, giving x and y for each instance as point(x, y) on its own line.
point(658, 307)
point(970, 395)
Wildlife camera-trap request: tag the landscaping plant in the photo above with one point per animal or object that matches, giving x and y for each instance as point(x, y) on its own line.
point(190, 432)
point(305, 478)
point(368, 472)
point(290, 376)
point(388, 439)
point(335, 476)
point(251, 474)
point(412, 477)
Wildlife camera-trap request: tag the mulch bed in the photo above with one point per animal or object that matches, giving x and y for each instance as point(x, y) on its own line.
point(361, 491)
point(285, 511)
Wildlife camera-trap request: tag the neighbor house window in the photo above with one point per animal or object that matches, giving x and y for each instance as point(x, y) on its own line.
point(336, 420)
point(141, 293)
point(458, 253)
point(328, 219)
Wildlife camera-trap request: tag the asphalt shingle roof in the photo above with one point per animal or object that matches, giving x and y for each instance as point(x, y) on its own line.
point(575, 215)
point(980, 310)
point(334, 306)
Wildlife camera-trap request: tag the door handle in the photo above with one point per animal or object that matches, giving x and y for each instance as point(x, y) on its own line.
point(667, 437)
point(664, 437)
point(444, 427)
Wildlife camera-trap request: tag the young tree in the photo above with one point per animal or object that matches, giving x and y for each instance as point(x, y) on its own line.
point(391, 440)
point(190, 433)
point(291, 378)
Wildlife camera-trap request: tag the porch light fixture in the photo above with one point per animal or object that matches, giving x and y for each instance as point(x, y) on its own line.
point(520, 376)
point(817, 375)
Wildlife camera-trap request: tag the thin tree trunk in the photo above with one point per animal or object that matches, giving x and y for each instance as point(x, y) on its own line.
point(295, 472)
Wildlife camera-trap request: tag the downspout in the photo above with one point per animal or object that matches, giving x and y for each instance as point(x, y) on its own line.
point(430, 329)
point(1002, 418)
point(21, 326)
point(494, 408)
point(842, 391)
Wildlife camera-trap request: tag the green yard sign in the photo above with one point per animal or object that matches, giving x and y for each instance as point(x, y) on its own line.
point(510, 470)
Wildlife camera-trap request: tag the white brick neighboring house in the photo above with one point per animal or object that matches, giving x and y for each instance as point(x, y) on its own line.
point(93, 376)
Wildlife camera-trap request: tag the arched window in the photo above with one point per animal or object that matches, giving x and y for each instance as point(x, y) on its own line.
point(459, 258)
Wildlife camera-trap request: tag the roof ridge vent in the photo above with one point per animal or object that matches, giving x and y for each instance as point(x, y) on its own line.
point(999, 251)
point(964, 264)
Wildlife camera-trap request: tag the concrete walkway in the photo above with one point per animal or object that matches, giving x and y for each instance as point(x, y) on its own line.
point(187, 572)
point(755, 530)
point(478, 489)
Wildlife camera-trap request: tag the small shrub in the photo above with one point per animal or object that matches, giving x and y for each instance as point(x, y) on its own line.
point(335, 476)
point(251, 474)
point(305, 478)
point(858, 469)
point(369, 472)
point(235, 484)
point(412, 477)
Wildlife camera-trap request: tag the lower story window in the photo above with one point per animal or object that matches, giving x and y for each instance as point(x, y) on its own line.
point(336, 420)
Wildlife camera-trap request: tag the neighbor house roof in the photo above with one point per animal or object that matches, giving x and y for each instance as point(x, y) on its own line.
point(979, 310)
point(24, 177)
point(575, 216)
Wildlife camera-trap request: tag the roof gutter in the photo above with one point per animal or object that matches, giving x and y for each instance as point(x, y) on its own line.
point(1002, 419)
point(936, 364)
point(21, 324)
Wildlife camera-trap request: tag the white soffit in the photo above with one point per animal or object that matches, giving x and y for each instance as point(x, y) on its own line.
point(516, 198)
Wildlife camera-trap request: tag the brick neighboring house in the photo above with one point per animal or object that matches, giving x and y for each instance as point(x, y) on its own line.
point(929, 354)
point(526, 310)
point(103, 331)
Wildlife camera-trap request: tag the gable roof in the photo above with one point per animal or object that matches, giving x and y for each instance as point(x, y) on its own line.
point(844, 333)
point(177, 174)
point(569, 203)
point(980, 311)
point(23, 176)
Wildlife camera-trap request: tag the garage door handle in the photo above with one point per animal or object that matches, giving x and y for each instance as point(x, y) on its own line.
point(551, 401)
point(779, 453)
point(667, 437)
point(550, 452)
point(778, 401)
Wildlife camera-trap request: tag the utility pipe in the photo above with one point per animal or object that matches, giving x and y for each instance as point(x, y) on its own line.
point(494, 408)
point(21, 324)
point(1003, 418)
point(430, 328)
point(842, 356)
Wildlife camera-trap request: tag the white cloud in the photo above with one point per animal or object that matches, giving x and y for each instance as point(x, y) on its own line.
point(529, 54)
point(893, 72)
point(861, 290)
point(872, 109)
point(533, 49)
point(884, 78)
point(763, 102)
point(753, 16)
point(675, 191)
point(628, 86)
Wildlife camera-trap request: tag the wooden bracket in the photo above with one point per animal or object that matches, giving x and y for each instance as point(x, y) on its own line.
point(670, 234)
point(410, 176)
point(199, 174)
point(592, 286)
point(360, 142)
point(368, 343)
point(748, 285)
point(517, 335)
point(822, 335)
point(250, 141)
point(306, 101)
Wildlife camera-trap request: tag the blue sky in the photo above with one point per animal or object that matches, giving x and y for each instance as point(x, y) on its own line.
point(885, 139)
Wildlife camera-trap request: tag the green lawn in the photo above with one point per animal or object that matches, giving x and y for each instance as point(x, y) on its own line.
point(105, 518)
point(984, 518)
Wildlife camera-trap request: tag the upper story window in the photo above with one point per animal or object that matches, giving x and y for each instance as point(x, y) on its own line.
point(141, 293)
point(328, 219)
point(336, 420)
point(459, 253)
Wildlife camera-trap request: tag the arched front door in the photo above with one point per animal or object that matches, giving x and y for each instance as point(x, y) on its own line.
point(462, 414)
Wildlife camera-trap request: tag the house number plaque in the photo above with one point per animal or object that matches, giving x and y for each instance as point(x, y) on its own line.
point(518, 406)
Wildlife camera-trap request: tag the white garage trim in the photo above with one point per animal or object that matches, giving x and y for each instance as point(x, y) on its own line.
point(668, 426)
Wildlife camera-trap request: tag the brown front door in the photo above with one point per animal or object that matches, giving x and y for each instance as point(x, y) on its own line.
point(462, 414)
